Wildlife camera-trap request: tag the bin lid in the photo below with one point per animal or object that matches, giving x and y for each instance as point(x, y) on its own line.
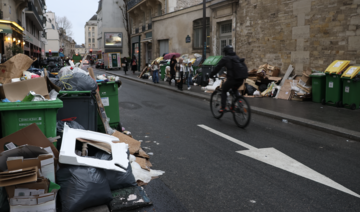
point(8, 106)
point(351, 72)
point(317, 75)
point(337, 66)
point(212, 60)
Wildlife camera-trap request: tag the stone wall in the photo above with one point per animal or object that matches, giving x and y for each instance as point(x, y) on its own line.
point(304, 33)
point(181, 4)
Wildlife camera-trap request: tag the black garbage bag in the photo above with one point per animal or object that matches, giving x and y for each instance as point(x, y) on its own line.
point(4, 203)
point(116, 179)
point(262, 87)
point(250, 89)
point(78, 82)
point(35, 71)
point(72, 124)
point(82, 187)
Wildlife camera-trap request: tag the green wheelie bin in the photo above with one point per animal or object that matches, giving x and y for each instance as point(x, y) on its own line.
point(109, 94)
point(208, 66)
point(333, 94)
point(18, 115)
point(163, 65)
point(351, 87)
point(318, 87)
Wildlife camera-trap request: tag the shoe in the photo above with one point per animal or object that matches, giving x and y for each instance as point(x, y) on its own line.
point(189, 88)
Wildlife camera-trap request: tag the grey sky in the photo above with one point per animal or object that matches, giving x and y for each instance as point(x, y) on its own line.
point(77, 11)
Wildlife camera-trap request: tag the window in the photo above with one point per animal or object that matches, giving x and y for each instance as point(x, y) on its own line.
point(93, 45)
point(89, 40)
point(93, 40)
point(89, 28)
point(89, 45)
point(230, 42)
point(93, 28)
point(159, 9)
point(198, 29)
point(226, 28)
point(93, 34)
point(52, 25)
point(89, 34)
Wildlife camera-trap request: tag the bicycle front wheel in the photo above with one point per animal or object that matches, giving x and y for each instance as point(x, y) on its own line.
point(241, 112)
point(215, 104)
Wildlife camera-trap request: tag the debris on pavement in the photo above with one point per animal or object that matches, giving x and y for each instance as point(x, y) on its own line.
point(48, 163)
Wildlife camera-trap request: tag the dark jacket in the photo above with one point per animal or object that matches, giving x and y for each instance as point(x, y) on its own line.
point(236, 67)
point(173, 63)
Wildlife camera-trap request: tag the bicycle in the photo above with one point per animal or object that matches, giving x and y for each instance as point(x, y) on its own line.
point(238, 106)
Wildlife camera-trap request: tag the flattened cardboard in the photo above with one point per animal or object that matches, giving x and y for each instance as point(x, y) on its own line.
point(285, 90)
point(28, 152)
point(30, 135)
point(134, 145)
point(142, 162)
point(14, 67)
point(20, 177)
point(142, 154)
point(46, 205)
point(18, 90)
point(41, 183)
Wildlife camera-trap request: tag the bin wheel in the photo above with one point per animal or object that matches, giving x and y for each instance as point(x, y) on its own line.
point(353, 107)
point(339, 104)
point(323, 102)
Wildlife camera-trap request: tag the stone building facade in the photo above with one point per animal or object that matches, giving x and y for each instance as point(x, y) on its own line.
point(91, 35)
point(304, 33)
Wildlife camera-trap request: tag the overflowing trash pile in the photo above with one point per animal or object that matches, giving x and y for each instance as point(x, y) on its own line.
point(54, 154)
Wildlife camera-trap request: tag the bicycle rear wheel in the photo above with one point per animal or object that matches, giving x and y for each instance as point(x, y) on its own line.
point(241, 112)
point(215, 104)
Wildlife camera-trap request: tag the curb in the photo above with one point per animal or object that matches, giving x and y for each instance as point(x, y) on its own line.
point(349, 134)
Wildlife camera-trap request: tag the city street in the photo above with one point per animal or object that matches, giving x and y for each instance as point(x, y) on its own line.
point(207, 168)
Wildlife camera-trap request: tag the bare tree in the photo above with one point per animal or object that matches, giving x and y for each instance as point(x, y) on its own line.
point(126, 21)
point(65, 24)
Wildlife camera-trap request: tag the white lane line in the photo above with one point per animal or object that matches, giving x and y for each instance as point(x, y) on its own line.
point(274, 157)
point(236, 141)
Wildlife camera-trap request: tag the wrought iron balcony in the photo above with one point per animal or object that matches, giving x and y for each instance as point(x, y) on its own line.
point(34, 15)
point(136, 30)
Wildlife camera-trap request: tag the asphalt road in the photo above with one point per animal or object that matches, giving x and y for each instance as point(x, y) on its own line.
point(203, 171)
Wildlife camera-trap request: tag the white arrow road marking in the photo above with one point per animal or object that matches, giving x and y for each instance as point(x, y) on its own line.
point(278, 159)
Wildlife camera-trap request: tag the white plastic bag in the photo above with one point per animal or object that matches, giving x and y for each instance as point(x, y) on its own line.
point(79, 70)
point(65, 71)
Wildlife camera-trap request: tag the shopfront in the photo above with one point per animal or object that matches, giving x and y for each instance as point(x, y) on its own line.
point(11, 35)
point(136, 49)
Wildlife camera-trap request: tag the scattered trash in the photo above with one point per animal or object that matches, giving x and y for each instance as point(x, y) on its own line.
point(147, 141)
point(140, 140)
point(150, 153)
point(252, 201)
point(285, 121)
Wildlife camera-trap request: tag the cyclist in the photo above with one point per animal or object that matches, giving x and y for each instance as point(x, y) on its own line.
point(237, 72)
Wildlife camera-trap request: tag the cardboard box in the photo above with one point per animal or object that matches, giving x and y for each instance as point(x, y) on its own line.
point(14, 67)
point(285, 91)
point(44, 202)
point(23, 157)
point(306, 77)
point(41, 183)
point(20, 176)
point(18, 90)
point(30, 135)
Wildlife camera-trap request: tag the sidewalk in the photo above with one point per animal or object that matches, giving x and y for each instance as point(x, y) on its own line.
point(338, 121)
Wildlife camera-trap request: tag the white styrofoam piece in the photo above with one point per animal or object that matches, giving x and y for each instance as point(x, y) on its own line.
point(215, 84)
point(68, 156)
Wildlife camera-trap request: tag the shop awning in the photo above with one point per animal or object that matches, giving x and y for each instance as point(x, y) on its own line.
point(4, 28)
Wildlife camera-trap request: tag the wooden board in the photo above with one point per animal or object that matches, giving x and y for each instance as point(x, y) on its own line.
point(101, 108)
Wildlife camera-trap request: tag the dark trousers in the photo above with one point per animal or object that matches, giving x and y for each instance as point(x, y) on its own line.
point(180, 84)
point(234, 85)
point(172, 76)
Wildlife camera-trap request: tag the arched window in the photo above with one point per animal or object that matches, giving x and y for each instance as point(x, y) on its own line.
point(197, 30)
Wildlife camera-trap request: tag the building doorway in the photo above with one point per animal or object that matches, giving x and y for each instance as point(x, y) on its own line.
point(164, 47)
point(225, 36)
